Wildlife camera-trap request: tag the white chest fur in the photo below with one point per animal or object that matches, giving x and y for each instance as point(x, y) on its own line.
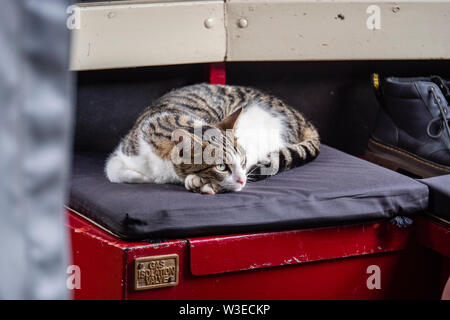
point(259, 132)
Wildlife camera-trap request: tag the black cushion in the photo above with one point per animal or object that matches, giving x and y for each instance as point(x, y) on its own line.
point(334, 189)
point(439, 195)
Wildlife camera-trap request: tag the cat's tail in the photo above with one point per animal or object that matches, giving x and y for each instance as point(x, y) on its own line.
point(304, 151)
point(290, 156)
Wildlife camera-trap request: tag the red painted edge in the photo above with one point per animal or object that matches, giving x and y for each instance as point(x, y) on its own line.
point(217, 73)
point(213, 255)
point(93, 252)
point(106, 262)
point(433, 235)
point(82, 225)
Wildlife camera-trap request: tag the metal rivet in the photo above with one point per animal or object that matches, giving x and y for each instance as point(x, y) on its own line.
point(242, 23)
point(209, 23)
point(395, 9)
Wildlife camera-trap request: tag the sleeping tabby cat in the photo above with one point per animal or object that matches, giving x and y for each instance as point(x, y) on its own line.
point(213, 138)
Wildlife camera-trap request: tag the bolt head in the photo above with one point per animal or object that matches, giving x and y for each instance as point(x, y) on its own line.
point(209, 23)
point(242, 23)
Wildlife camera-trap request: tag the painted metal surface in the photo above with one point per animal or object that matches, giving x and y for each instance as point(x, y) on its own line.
point(337, 30)
point(103, 259)
point(217, 73)
point(332, 279)
point(107, 272)
point(145, 33)
point(434, 235)
point(237, 252)
point(100, 259)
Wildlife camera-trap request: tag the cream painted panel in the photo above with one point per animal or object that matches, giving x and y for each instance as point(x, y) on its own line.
point(145, 33)
point(336, 30)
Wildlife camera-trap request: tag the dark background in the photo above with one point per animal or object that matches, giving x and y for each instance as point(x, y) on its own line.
point(336, 96)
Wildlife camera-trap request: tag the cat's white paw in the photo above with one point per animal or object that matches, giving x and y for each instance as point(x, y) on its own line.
point(209, 189)
point(197, 184)
point(193, 182)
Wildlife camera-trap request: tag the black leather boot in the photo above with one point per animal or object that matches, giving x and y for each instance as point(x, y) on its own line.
point(412, 133)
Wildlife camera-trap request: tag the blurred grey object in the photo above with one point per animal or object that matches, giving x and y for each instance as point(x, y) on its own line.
point(35, 139)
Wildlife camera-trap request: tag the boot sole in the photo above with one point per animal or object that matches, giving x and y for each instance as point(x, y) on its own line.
point(400, 160)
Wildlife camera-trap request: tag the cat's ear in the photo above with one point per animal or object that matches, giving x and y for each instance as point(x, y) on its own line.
point(229, 122)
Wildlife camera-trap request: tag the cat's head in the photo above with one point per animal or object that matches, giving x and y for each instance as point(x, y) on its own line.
point(211, 153)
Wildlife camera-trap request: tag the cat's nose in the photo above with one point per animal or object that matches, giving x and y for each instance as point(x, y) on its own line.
point(240, 181)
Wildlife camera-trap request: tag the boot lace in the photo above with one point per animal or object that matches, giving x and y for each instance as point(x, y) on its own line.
point(442, 119)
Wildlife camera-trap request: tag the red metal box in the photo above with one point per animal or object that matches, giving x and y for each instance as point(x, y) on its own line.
point(365, 261)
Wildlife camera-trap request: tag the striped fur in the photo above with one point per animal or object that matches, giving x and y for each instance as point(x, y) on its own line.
point(204, 107)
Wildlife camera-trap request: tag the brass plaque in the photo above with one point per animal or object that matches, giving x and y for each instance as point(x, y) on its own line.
point(156, 272)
